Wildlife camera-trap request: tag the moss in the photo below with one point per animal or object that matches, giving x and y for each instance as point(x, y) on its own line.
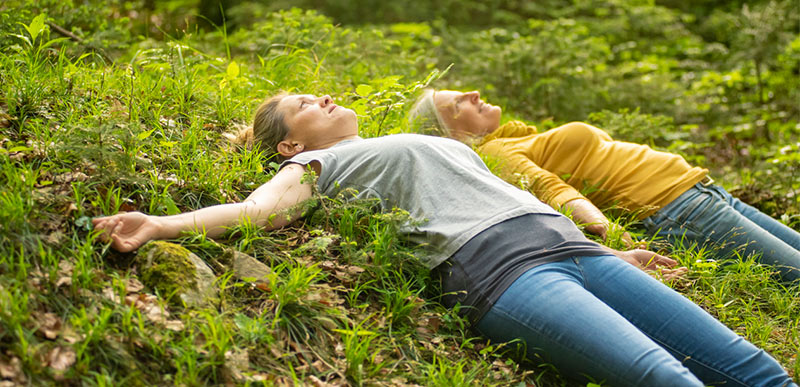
point(167, 268)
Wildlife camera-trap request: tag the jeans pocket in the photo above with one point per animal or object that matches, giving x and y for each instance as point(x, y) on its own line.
point(696, 208)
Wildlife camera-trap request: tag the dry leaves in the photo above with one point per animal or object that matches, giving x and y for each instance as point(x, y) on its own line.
point(65, 269)
point(11, 371)
point(69, 177)
point(237, 362)
point(146, 303)
point(49, 324)
point(347, 274)
point(61, 358)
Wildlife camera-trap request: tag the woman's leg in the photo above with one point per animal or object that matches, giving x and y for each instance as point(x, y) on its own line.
point(602, 317)
point(768, 223)
point(565, 325)
point(703, 215)
point(713, 353)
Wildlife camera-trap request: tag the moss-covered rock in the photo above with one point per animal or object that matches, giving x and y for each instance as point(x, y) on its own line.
point(177, 273)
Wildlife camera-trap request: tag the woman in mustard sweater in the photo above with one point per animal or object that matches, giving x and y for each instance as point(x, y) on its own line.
point(672, 199)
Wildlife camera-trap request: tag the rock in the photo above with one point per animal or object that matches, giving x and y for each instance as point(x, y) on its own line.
point(247, 268)
point(176, 273)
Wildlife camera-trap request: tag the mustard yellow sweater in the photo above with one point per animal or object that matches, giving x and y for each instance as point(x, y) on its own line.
point(559, 163)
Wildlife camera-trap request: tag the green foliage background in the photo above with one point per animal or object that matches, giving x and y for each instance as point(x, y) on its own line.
point(123, 105)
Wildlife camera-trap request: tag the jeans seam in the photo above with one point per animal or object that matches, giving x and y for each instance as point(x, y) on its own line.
point(582, 278)
point(664, 345)
point(560, 344)
point(689, 358)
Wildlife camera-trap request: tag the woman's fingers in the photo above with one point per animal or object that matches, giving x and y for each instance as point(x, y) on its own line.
point(664, 261)
point(650, 260)
point(671, 274)
point(124, 246)
point(121, 230)
point(117, 227)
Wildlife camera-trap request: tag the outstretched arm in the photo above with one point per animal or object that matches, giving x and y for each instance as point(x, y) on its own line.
point(267, 206)
point(585, 212)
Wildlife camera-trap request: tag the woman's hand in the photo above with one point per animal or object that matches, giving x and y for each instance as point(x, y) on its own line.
point(650, 261)
point(645, 259)
point(128, 230)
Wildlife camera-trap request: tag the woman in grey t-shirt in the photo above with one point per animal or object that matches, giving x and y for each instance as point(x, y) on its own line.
point(524, 270)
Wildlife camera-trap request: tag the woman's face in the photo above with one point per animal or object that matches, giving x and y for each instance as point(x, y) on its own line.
point(466, 114)
point(316, 122)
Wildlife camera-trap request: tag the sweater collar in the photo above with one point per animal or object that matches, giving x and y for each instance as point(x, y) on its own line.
point(510, 129)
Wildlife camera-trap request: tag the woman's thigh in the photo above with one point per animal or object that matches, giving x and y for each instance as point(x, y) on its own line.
point(766, 222)
point(704, 216)
point(562, 323)
point(712, 352)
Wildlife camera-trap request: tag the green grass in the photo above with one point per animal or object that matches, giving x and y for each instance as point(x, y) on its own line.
point(346, 302)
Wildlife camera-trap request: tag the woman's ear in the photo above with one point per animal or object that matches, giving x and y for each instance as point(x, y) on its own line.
point(288, 148)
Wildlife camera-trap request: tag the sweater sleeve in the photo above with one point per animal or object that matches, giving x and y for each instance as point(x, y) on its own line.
point(518, 168)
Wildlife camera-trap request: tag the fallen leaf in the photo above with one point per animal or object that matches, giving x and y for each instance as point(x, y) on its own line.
point(10, 369)
point(63, 281)
point(55, 238)
point(316, 382)
point(72, 207)
point(155, 314)
point(434, 323)
point(65, 269)
point(49, 324)
point(339, 348)
point(174, 325)
point(327, 265)
point(36, 279)
point(132, 299)
point(134, 285)
point(277, 353)
point(61, 358)
point(110, 294)
point(318, 365)
point(355, 269)
point(70, 177)
point(69, 335)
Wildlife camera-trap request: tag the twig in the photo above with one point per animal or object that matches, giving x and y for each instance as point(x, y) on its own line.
point(78, 39)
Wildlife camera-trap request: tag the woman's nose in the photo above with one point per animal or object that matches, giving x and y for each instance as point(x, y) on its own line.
point(325, 100)
point(474, 96)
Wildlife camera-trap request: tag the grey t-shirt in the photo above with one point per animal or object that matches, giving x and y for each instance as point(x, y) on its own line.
point(442, 183)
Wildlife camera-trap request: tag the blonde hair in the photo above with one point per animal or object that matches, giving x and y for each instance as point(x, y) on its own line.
point(424, 117)
point(269, 128)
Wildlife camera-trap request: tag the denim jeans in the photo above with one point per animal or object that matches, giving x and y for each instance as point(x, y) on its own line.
point(604, 318)
point(710, 216)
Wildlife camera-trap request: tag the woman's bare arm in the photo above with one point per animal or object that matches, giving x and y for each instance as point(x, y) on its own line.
point(272, 206)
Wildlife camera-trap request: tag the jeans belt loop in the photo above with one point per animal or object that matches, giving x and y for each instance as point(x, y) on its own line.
point(707, 180)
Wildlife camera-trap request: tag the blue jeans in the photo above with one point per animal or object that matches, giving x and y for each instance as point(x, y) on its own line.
point(604, 318)
point(710, 216)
